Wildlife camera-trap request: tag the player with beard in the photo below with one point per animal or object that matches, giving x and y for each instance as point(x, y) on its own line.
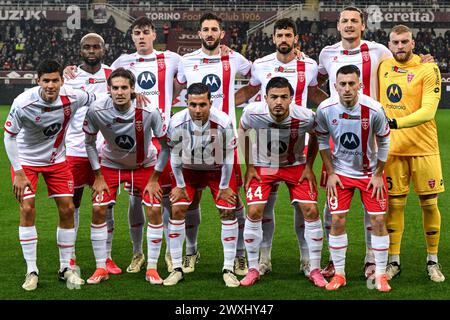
point(410, 92)
point(302, 75)
point(217, 69)
point(91, 76)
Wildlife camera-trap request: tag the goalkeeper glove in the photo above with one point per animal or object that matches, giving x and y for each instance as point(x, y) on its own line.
point(392, 123)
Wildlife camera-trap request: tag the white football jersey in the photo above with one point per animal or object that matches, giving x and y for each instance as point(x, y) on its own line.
point(41, 127)
point(353, 131)
point(154, 76)
point(367, 57)
point(301, 74)
point(201, 147)
point(218, 73)
point(277, 144)
point(92, 83)
point(128, 134)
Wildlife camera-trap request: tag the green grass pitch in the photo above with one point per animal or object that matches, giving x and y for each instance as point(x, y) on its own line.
point(206, 282)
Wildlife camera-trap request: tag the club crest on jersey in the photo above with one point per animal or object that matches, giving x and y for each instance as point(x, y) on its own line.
point(125, 142)
point(365, 123)
point(432, 183)
point(139, 125)
point(161, 64)
point(212, 81)
point(146, 80)
point(70, 185)
point(312, 195)
point(382, 203)
point(301, 76)
point(67, 111)
point(52, 129)
point(269, 75)
point(409, 77)
point(365, 56)
point(195, 67)
point(226, 65)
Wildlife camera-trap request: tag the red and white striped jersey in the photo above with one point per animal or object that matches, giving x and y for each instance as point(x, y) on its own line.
point(202, 147)
point(128, 134)
point(41, 127)
point(154, 76)
point(218, 73)
point(92, 83)
point(277, 144)
point(367, 57)
point(354, 132)
point(301, 74)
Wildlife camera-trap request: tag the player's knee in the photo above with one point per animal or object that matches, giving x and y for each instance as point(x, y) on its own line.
point(178, 213)
point(428, 201)
point(338, 223)
point(310, 211)
point(154, 215)
point(27, 214)
point(254, 212)
point(378, 223)
point(227, 215)
point(99, 214)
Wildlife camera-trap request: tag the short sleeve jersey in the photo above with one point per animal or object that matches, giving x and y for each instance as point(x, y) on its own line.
point(353, 131)
point(277, 144)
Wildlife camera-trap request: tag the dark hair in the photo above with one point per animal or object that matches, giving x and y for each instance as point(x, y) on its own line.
point(123, 73)
point(49, 66)
point(351, 8)
point(348, 69)
point(279, 82)
point(210, 16)
point(142, 22)
point(198, 88)
point(284, 24)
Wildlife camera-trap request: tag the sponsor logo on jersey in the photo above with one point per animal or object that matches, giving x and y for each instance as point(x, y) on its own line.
point(209, 61)
point(365, 56)
point(145, 59)
point(285, 70)
point(350, 140)
point(213, 82)
point(125, 142)
point(436, 90)
point(351, 52)
point(146, 80)
point(195, 67)
point(276, 146)
point(409, 77)
point(432, 183)
point(348, 116)
point(94, 81)
point(399, 70)
point(394, 93)
point(38, 119)
point(334, 122)
point(52, 129)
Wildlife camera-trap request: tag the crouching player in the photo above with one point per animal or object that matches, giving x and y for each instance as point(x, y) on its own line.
point(128, 156)
point(278, 156)
point(356, 124)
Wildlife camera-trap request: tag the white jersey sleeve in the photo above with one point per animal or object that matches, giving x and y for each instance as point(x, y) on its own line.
point(181, 75)
point(13, 123)
point(157, 123)
point(255, 81)
point(244, 66)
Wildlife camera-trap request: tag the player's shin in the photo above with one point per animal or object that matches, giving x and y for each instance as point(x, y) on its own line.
point(177, 235)
point(431, 226)
point(299, 226)
point(380, 246)
point(252, 238)
point(154, 240)
point(395, 223)
point(110, 227)
point(369, 258)
point(327, 220)
point(165, 206)
point(99, 235)
point(240, 216)
point(193, 219)
point(229, 241)
point(136, 220)
point(28, 241)
point(338, 249)
point(314, 239)
point(66, 242)
point(268, 227)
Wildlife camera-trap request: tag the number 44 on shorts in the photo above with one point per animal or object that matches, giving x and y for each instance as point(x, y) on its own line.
point(257, 193)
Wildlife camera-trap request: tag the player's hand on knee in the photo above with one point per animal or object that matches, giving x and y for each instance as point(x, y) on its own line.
point(70, 72)
point(251, 174)
point(177, 194)
point(99, 187)
point(309, 175)
point(154, 191)
point(228, 195)
point(332, 181)
point(379, 188)
point(21, 183)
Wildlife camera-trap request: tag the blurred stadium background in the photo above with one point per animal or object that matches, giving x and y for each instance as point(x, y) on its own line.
point(33, 29)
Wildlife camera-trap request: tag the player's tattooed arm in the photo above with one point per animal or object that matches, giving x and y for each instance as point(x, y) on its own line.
point(377, 182)
point(177, 88)
point(333, 179)
point(245, 93)
point(308, 173)
point(99, 186)
point(316, 95)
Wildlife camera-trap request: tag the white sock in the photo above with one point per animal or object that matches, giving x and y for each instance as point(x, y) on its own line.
point(368, 235)
point(268, 222)
point(299, 226)
point(327, 221)
point(314, 238)
point(230, 232)
point(65, 238)
point(338, 249)
point(193, 219)
point(432, 257)
point(99, 234)
point(165, 204)
point(177, 234)
point(28, 241)
point(110, 226)
point(253, 238)
point(394, 258)
point(136, 221)
point(76, 219)
point(240, 216)
point(380, 245)
point(154, 240)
